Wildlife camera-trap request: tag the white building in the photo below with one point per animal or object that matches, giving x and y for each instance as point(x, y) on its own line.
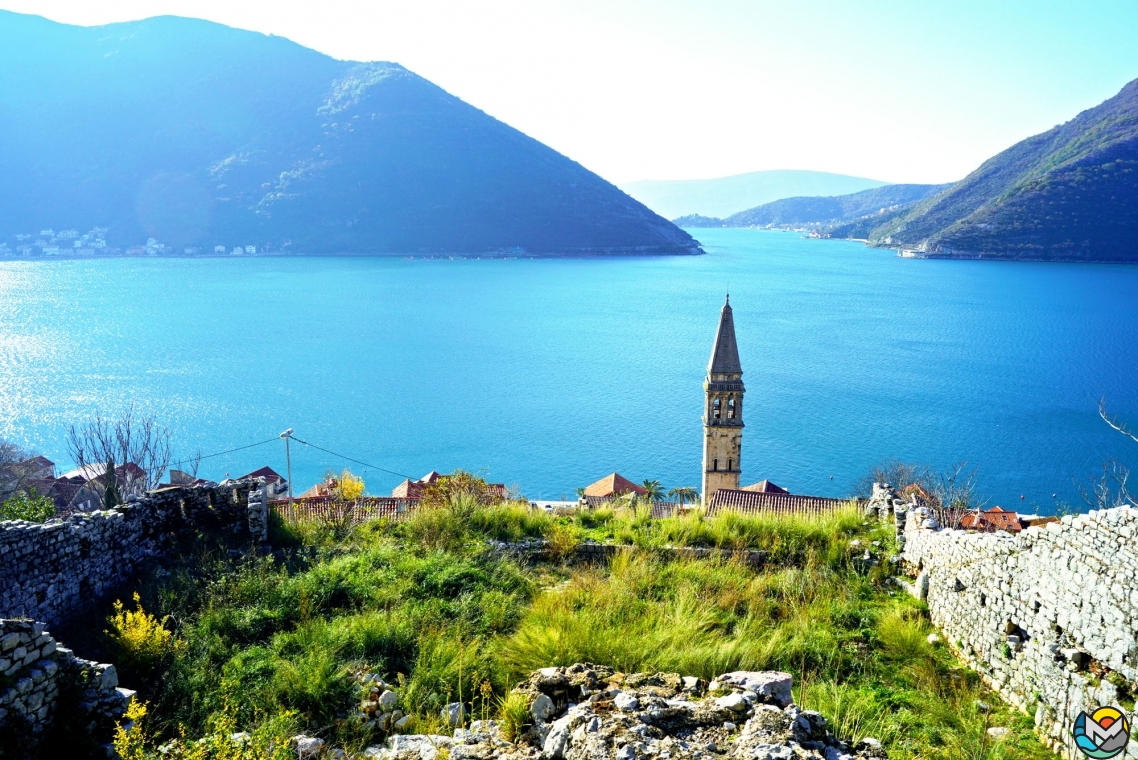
point(250, 249)
point(219, 249)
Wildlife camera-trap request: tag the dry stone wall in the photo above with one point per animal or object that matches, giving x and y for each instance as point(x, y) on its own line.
point(1048, 617)
point(44, 685)
point(50, 571)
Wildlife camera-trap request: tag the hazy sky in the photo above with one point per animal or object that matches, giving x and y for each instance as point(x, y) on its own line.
point(898, 90)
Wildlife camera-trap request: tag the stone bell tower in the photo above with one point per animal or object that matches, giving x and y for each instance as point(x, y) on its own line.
point(723, 410)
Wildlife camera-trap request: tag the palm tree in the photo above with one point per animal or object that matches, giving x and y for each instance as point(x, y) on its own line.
point(652, 490)
point(683, 494)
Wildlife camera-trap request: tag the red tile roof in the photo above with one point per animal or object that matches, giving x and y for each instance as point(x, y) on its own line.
point(755, 503)
point(268, 473)
point(765, 486)
point(408, 489)
point(613, 485)
point(992, 520)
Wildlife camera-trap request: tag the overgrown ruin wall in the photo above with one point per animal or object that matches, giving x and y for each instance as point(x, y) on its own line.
point(1048, 617)
point(44, 685)
point(52, 570)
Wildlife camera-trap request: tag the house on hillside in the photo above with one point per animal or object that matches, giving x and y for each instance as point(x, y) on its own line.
point(764, 486)
point(613, 485)
point(276, 487)
point(779, 502)
point(992, 520)
point(82, 489)
point(413, 489)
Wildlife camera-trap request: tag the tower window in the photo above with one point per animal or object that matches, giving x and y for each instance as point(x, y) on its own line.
point(730, 410)
point(715, 409)
point(715, 465)
point(728, 465)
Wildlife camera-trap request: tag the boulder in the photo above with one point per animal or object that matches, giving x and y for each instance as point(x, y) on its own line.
point(771, 686)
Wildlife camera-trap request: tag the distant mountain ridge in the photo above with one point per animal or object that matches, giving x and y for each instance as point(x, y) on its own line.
point(1070, 193)
point(808, 212)
point(724, 196)
point(199, 135)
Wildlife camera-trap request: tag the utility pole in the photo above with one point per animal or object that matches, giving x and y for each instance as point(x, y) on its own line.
point(287, 435)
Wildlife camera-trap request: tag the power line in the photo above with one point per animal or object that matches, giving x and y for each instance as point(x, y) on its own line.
point(357, 461)
point(230, 451)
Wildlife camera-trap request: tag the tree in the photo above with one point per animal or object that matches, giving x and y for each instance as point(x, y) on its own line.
point(349, 486)
point(684, 494)
point(130, 439)
point(1111, 488)
point(111, 486)
point(652, 490)
point(14, 472)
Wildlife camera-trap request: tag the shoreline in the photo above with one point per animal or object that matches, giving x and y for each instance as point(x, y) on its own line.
point(406, 256)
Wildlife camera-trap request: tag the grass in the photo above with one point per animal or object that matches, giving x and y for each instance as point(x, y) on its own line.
point(274, 641)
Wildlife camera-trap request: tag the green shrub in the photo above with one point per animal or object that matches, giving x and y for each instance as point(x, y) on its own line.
point(141, 640)
point(28, 505)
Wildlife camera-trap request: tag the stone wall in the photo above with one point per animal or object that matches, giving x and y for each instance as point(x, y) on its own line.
point(1048, 617)
point(52, 570)
point(44, 686)
point(538, 549)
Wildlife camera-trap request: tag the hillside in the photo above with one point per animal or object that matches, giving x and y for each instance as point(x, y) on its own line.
point(1070, 193)
point(724, 196)
point(200, 135)
point(816, 212)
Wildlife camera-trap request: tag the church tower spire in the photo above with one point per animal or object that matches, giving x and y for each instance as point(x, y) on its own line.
point(723, 409)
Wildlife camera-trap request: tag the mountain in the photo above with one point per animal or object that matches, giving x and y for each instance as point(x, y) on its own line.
point(199, 135)
point(727, 195)
point(800, 212)
point(1068, 194)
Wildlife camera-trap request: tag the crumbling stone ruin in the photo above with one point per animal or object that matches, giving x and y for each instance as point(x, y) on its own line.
point(41, 680)
point(1048, 617)
point(50, 571)
point(591, 712)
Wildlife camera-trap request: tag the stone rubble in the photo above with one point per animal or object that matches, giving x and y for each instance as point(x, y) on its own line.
point(590, 712)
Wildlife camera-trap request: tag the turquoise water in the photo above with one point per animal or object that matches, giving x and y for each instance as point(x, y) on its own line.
point(552, 373)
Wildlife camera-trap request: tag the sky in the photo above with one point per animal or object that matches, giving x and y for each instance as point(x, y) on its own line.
point(895, 90)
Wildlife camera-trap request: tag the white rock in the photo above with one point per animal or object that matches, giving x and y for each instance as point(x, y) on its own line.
point(733, 702)
point(627, 752)
point(542, 708)
point(769, 684)
point(387, 700)
point(557, 739)
point(998, 732)
point(626, 702)
point(307, 747)
point(453, 714)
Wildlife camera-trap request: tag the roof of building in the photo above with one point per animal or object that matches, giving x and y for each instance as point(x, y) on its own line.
point(323, 488)
point(764, 486)
point(38, 461)
point(408, 489)
point(992, 519)
point(97, 471)
point(613, 485)
point(755, 502)
point(725, 352)
point(268, 473)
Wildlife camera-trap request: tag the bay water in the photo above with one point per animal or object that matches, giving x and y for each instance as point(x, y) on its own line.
point(551, 373)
